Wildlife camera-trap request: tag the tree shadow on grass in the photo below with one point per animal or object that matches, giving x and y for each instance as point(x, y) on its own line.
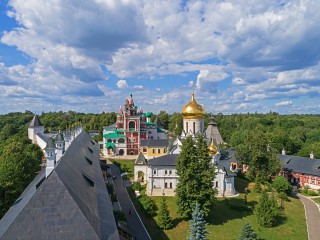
point(281, 220)
point(176, 221)
point(229, 209)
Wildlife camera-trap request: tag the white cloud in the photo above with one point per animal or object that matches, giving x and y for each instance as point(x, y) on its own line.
point(283, 103)
point(207, 79)
point(239, 81)
point(122, 84)
point(138, 87)
point(267, 49)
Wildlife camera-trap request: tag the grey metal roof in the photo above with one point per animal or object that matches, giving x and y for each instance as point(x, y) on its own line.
point(59, 137)
point(166, 160)
point(140, 159)
point(50, 143)
point(213, 132)
point(72, 203)
point(35, 122)
point(155, 142)
point(111, 127)
point(225, 165)
point(300, 164)
point(43, 136)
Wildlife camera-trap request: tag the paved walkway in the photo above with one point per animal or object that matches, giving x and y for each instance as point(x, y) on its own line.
point(312, 216)
point(134, 222)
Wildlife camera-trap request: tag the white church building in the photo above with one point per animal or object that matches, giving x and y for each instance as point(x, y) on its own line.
point(160, 173)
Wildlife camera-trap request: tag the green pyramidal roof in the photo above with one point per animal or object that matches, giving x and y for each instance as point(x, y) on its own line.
point(149, 114)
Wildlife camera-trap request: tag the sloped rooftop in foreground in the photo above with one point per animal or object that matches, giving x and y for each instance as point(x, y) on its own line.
point(72, 203)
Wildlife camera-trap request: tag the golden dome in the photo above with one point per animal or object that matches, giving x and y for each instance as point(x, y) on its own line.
point(212, 149)
point(193, 109)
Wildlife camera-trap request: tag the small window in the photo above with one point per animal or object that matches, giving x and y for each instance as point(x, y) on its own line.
point(17, 201)
point(93, 143)
point(40, 182)
point(158, 150)
point(90, 150)
point(132, 125)
point(165, 172)
point(89, 179)
point(217, 184)
point(170, 172)
point(154, 171)
point(153, 151)
point(88, 160)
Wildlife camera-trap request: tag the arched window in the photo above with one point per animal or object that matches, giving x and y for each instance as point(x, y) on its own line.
point(121, 152)
point(132, 125)
point(194, 127)
point(109, 140)
point(187, 127)
point(121, 140)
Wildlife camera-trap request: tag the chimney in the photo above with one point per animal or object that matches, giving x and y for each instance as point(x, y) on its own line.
point(283, 152)
point(311, 154)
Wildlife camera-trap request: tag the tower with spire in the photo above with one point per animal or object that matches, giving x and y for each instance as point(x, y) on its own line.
point(160, 172)
point(193, 118)
point(34, 128)
point(53, 151)
point(132, 125)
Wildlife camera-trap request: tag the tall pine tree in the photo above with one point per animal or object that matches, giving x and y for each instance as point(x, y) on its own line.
point(198, 229)
point(196, 175)
point(247, 233)
point(267, 210)
point(165, 221)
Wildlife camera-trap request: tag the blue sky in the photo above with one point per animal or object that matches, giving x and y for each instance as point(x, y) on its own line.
point(88, 56)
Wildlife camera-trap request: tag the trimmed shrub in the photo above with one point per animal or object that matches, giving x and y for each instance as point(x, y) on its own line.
point(312, 193)
point(120, 217)
point(136, 186)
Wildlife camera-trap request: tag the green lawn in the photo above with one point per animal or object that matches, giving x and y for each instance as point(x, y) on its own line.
point(228, 216)
point(317, 200)
point(125, 165)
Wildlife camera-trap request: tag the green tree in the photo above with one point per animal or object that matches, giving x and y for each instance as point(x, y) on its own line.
point(267, 210)
point(147, 204)
point(261, 157)
point(196, 175)
point(19, 163)
point(164, 119)
point(281, 185)
point(165, 221)
point(198, 229)
point(175, 124)
point(247, 233)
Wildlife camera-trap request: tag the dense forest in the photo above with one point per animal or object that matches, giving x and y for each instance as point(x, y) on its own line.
point(20, 160)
